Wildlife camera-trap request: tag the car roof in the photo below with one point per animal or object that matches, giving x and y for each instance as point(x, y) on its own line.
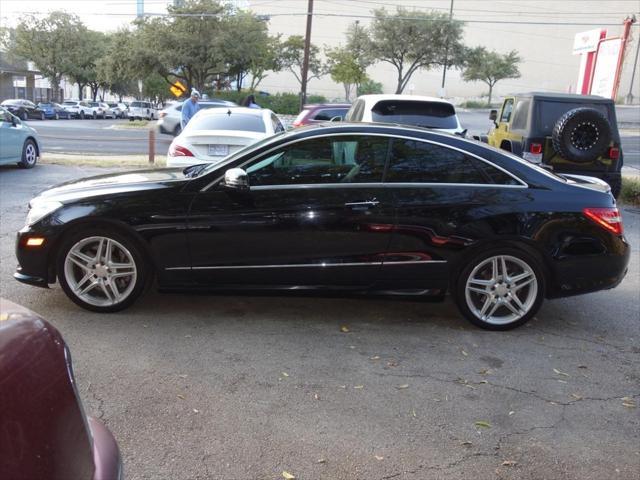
point(415, 98)
point(309, 106)
point(569, 97)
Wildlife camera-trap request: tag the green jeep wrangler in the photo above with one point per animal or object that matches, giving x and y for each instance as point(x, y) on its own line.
point(576, 134)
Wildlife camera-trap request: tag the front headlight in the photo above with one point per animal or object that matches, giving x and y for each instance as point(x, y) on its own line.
point(41, 209)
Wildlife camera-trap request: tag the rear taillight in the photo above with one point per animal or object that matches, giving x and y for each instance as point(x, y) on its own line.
point(178, 151)
point(536, 148)
point(614, 153)
point(607, 218)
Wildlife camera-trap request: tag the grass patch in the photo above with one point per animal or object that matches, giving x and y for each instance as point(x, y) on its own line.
point(134, 124)
point(630, 192)
point(127, 161)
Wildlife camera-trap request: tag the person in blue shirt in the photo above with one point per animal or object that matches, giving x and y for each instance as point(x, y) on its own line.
point(189, 108)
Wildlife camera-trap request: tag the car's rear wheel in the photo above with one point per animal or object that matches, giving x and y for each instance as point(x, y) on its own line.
point(500, 289)
point(101, 271)
point(29, 154)
point(95, 115)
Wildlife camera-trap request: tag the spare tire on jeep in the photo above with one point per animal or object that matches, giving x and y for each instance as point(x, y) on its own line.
point(581, 135)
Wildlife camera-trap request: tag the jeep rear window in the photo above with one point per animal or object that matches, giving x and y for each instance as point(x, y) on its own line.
point(421, 114)
point(549, 113)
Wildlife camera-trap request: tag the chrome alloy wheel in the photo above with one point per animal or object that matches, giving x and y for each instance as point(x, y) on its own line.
point(501, 289)
point(100, 271)
point(30, 154)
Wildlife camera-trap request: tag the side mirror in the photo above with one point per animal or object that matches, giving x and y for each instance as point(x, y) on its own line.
point(493, 115)
point(15, 121)
point(236, 179)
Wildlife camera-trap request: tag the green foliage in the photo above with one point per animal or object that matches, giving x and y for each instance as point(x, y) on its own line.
point(413, 40)
point(116, 69)
point(490, 67)
point(282, 103)
point(344, 68)
point(51, 43)
point(91, 46)
point(292, 58)
point(630, 192)
point(369, 87)
point(474, 104)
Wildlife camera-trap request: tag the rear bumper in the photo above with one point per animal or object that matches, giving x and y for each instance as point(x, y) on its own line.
point(106, 455)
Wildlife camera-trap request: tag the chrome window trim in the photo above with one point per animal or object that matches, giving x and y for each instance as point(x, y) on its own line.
point(523, 184)
point(309, 265)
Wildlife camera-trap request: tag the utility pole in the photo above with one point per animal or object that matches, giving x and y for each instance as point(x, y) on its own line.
point(446, 53)
point(305, 63)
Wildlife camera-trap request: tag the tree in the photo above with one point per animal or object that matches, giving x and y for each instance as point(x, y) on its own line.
point(411, 40)
point(116, 69)
point(253, 51)
point(292, 57)
point(89, 48)
point(268, 60)
point(490, 67)
point(185, 46)
point(49, 43)
point(369, 87)
point(344, 68)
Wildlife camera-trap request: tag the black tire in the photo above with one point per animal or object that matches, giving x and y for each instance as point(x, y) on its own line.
point(81, 114)
point(141, 266)
point(534, 294)
point(94, 115)
point(29, 154)
point(581, 135)
point(24, 116)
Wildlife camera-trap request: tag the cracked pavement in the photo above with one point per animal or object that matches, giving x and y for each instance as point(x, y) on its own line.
point(246, 387)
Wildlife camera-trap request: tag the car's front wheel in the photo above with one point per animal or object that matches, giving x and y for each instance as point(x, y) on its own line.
point(101, 271)
point(29, 154)
point(500, 289)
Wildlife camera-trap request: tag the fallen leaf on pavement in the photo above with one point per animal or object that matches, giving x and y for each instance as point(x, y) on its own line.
point(484, 371)
point(344, 329)
point(466, 443)
point(628, 402)
point(181, 396)
point(195, 410)
point(288, 476)
point(582, 366)
point(509, 463)
point(413, 412)
point(465, 353)
point(315, 395)
point(576, 396)
point(184, 375)
point(558, 372)
point(403, 386)
point(358, 386)
point(483, 424)
point(321, 460)
point(375, 358)
point(378, 457)
point(285, 374)
point(392, 363)
point(511, 412)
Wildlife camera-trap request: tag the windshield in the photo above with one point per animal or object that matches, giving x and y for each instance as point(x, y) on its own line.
point(254, 146)
point(418, 113)
point(233, 121)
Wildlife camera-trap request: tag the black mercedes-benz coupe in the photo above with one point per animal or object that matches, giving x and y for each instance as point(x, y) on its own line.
point(349, 207)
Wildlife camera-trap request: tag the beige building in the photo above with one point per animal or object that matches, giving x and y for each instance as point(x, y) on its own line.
point(523, 25)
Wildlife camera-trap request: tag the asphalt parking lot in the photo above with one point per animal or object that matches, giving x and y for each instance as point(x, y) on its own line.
point(247, 387)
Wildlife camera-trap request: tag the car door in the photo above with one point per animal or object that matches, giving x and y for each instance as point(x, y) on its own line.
point(501, 130)
point(11, 138)
point(316, 214)
point(446, 199)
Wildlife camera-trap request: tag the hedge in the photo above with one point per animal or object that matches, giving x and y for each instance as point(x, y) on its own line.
point(281, 103)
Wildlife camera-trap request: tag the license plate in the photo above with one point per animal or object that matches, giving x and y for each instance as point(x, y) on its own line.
point(218, 150)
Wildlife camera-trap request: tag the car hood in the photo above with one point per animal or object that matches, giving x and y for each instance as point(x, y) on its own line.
point(123, 182)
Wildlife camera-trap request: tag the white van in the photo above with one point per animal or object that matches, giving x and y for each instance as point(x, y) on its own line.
point(141, 110)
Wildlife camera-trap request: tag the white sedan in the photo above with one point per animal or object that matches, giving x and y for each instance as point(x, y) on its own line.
point(214, 133)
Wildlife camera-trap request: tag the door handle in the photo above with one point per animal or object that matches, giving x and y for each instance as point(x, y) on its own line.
point(362, 205)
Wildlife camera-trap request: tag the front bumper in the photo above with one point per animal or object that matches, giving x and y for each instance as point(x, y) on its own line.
point(34, 265)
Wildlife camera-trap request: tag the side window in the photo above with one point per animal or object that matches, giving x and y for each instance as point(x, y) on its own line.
point(414, 161)
point(494, 175)
point(341, 159)
point(520, 115)
point(506, 110)
point(328, 114)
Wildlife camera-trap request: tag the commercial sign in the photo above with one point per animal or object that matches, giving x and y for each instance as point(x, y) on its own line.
point(586, 42)
point(606, 70)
